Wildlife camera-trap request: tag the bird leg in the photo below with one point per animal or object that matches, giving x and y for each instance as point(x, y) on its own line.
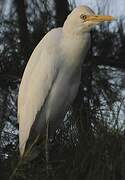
point(47, 148)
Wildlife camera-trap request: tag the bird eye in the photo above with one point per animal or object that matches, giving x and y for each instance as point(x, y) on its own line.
point(83, 17)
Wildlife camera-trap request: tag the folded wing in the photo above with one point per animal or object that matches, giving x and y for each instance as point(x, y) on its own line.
point(36, 84)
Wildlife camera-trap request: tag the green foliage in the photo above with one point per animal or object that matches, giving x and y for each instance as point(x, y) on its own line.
point(90, 144)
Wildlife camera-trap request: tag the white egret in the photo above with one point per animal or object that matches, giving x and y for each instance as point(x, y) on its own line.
point(52, 76)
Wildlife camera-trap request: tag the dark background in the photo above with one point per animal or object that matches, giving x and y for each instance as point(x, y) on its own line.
point(91, 142)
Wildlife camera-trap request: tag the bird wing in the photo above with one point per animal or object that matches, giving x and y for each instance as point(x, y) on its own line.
point(36, 84)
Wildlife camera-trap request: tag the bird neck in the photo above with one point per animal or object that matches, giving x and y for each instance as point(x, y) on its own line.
point(76, 46)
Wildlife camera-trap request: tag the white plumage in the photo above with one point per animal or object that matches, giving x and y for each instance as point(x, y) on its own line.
point(52, 75)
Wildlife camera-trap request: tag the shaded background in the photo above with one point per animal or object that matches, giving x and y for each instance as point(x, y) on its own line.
point(91, 141)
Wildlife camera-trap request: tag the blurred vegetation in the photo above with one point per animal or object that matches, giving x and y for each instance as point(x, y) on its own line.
point(91, 141)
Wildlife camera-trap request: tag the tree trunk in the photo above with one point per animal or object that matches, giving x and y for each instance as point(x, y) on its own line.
point(23, 30)
point(62, 10)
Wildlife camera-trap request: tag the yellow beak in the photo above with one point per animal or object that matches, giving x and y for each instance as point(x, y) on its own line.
point(99, 18)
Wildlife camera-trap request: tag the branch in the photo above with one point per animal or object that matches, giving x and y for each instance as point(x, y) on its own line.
point(119, 63)
point(4, 77)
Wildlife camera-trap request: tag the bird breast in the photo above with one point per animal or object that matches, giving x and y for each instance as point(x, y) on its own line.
point(62, 94)
point(65, 87)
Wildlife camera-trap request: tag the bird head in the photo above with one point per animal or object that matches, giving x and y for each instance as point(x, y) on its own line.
point(82, 19)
